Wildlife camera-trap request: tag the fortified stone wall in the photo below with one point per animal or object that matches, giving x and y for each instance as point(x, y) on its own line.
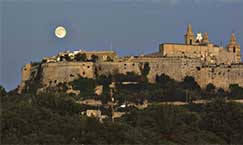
point(221, 75)
point(176, 68)
point(106, 68)
point(55, 73)
point(28, 72)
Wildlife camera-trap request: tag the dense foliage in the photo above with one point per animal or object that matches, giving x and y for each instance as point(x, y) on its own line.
point(80, 57)
point(56, 119)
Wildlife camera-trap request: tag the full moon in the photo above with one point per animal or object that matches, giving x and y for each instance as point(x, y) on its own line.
point(60, 32)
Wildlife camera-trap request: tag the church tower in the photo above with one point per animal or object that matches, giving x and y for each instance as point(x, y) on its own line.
point(234, 47)
point(205, 38)
point(189, 36)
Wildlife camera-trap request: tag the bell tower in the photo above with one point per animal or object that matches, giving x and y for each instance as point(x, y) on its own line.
point(205, 38)
point(189, 36)
point(234, 47)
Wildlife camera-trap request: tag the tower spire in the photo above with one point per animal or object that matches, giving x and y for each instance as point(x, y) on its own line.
point(189, 29)
point(234, 48)
point(205, 38)
point(189, 36)
point(233, 39)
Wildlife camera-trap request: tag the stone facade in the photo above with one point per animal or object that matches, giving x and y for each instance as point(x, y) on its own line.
point(198, 57)
point(208, 53)
point(203, 49)
point(176, 68)
point(103, 55)
point(106, 68)
point(55, 73)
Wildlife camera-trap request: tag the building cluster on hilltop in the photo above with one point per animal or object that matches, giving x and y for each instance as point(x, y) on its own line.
point(197, 57)
point(81, 55)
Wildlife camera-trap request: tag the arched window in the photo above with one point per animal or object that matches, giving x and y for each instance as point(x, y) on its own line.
point(234, 49)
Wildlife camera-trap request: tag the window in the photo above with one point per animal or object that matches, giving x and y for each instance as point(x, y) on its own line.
point(234, 49)
point(83, 73)
point(71, 75)
point(212, 70)
point(190, 41)
point(88, 66)
point(55, 81)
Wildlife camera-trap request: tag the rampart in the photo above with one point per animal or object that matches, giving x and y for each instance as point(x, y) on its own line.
point(55, 73)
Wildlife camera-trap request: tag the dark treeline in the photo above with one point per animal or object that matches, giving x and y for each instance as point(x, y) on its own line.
point(55, 118)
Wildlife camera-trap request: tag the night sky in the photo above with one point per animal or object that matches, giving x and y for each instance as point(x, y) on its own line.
point(130, 26)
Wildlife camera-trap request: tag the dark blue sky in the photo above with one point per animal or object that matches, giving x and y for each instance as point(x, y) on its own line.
point(132, 26)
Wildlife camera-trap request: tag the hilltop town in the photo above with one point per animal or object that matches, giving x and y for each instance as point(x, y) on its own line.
point(197, 57)
point(188, 93)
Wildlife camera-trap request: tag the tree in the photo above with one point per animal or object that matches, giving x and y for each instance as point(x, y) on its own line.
point(236, 92)
point(164, 80)
point(145, 69)
point(80, 57)
point(210, 90)
point(94, 58)
point(221, 93)
point(225, 119)
point(190, 83)
point(109, 59)
point(85, 86)
point(2, 91)
point(191, 88)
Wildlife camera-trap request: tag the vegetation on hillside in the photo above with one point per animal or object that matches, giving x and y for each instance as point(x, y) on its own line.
point(55, 118)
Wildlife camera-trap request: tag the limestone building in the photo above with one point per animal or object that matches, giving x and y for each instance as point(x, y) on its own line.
point(197, 57)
